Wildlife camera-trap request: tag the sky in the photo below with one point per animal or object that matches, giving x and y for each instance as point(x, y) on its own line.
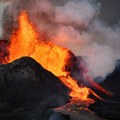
point(110, 11)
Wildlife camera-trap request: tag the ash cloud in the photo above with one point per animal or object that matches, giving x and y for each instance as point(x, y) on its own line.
point(3, 6)
point(73, 24)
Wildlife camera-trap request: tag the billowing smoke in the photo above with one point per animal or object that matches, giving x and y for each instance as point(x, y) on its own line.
point(2, 8)
point(73, 24)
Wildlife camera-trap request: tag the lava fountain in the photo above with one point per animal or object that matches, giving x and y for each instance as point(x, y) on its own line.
point(26, 41)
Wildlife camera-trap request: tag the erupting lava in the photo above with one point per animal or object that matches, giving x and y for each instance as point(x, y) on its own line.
point(27, 42)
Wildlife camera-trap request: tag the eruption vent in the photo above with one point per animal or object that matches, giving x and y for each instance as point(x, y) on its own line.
point(26, 41)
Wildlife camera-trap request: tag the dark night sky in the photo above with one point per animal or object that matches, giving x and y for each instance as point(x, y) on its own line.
point(110, 11)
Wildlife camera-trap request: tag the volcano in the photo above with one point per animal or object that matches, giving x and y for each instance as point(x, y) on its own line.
point(58, 60)
point(29, 91)
point(48, 77)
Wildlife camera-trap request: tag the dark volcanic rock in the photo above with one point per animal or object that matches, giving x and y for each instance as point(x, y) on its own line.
point(109, 109)
point(28, 91)
point(112, 81)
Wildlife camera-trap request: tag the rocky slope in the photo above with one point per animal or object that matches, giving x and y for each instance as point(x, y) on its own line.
point(28, 91)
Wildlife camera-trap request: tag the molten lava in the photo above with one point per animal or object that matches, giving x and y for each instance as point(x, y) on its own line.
point(27, 42)
point(77, 92)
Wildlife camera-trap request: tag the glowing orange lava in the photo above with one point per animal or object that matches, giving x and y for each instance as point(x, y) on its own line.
point(27, 42)
point(77, 92)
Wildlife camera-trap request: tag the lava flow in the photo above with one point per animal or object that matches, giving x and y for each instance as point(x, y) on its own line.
point(27, 42)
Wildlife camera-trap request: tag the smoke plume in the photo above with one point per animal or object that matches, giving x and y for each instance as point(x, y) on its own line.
point(2, 8)
point(73, 24)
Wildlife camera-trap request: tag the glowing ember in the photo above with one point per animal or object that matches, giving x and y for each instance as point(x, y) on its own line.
point(27, 42)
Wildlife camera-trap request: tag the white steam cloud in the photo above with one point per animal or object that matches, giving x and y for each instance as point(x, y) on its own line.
point(74, 24)
point(2, 8)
